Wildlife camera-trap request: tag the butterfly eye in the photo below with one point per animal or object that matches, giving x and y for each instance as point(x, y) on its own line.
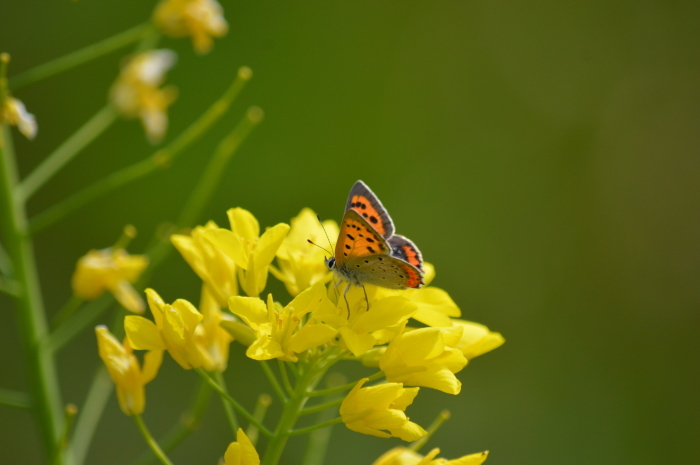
point(330, 263)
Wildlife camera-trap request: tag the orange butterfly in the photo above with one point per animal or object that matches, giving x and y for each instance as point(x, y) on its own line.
point(368, 251)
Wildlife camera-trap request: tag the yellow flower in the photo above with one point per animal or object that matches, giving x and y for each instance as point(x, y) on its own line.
point(113, 270)
point(173, 330)
point(200, 19)
point(302, 264)
point(276, 334)
point(377, 409)
point(251, 252)
point(364, 329)
point(425, 357)
point(477, 339)
point(15, 113)
point(405, 456)
point(136, 92)
point(214, 268)
point(242, 452)
point(125, 371)
point(210, 336)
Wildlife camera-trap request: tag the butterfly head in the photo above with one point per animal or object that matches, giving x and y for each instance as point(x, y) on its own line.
point(330, 263)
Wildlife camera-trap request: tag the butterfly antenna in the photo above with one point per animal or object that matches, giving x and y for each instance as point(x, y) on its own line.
point(324, 230)
point(322, 248)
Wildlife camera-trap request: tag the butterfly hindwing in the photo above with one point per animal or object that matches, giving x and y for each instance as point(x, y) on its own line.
point(406, 250)
point(367, 205)
point(358, 238)
point(385, 271)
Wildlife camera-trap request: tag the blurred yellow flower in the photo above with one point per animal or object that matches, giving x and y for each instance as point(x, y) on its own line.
point(136, 92)
point(113, 270)
point(15, 113)
point(214, 268)
point(364, 329)
point(276, 328)
point(251, 252)
point(241, 452)
point(301, 264)
point(377, 409)
point(210, 336)
point(173, 330)
point(425, 357)
point(405, 456)
point(476, 339)
point(125, 371)
point(200, 19)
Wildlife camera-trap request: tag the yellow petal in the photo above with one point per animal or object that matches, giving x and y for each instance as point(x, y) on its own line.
point(156, 304)
point(252, 310)
point(472, 459)
point(358, 344)
point(127, 297)
point(233, 454)
point(230, 244)
point(311, 336)
point(409, 432)
point(434, 306)
point(189, 314)
point(386, 312)
point(243, 224)
point(143, 334)
point(151, 363)
point(249, 456)
point(477, 339)
point(268, 245)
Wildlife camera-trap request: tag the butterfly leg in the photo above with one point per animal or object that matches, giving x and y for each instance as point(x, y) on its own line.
point(366, 298)
point(345, 296)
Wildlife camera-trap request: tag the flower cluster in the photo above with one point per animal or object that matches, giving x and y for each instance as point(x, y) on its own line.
point(413, 336)
point(199, 19)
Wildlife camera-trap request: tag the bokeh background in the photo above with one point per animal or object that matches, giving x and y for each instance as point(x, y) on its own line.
point(543, 155)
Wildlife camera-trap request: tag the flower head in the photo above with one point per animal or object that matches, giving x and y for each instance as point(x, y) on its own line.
point(212, 339)
point(111, 269)
point(200, 19)
point(405, 456)
point(214, 268)
point(277, 330)
point(241, 452)
point(174, 330)
point(425, 357)
point(379, 411)
point(301, 264)
point(136, 92)
point(15, 113)
point(125, 370)
point(476, 339)
point(251, 252)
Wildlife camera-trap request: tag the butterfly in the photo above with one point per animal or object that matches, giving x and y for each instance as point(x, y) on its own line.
point(368, 251)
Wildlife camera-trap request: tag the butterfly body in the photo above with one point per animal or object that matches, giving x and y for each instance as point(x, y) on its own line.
point(368, 251)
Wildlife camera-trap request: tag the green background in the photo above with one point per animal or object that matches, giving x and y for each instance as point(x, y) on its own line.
point(543, 155)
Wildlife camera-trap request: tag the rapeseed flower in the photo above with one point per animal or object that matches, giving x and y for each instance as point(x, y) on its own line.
point(379, 411)
point(137, 94)
point(405, 456)
point(277, 330)
point(251, 252)
point(111, 269)
point(15, 113)
point(425, 357)
point(125, 370)
point(173, 329)
point(214, 268)
point(476, 339)
point(241, 452)
point(199, 19)
point(213, 339)
point(301, 264)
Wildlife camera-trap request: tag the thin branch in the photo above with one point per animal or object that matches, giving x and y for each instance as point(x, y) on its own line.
point(273, 381)
point(298, 432)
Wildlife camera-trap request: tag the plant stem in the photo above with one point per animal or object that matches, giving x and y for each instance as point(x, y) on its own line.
point(15, 399)
point(318, 440)
point(31, 317)
point(151, 442)
point(261, 406)
point(325, 424)
point(434, 426)
point(230, 414)
point(273, 381)
point(67, 331)
point(160, 159)
point(81, 56)
point(285, 379)
point(86, 425)
point(321, 407)
point(66, 311)
point(344, 387)
point(66, 152)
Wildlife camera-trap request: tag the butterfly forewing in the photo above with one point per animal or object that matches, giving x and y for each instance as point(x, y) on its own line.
point(367, 205)
point(406, 250)
point(358, 239)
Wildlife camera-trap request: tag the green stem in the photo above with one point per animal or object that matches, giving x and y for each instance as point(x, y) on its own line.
point(318, 440)
point(321, 407)
point(66, 152)
point(161, 159)
point(66, 311)
point(285, 379)
point(65, 333)
point(81, 56)
point(69, 415)
point(29, 305)
point(86, 424)
point(273, 381)
point(189, 423)
point(434, 426)
point(151, 442)
point(261, 406)
point(9, 287)
point(15, 399)
point(217, 165)
point(233, 402)
point(344, 387)
point(325, 424)
point(230, 414)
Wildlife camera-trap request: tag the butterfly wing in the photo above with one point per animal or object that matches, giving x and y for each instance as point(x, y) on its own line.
point(363, 201)
point(385, 271)
point(358, 239)
point(406, 250)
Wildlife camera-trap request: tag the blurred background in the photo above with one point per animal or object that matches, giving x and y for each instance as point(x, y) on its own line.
point(543, 156)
